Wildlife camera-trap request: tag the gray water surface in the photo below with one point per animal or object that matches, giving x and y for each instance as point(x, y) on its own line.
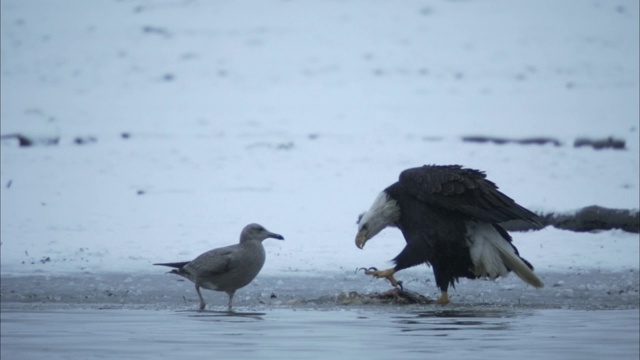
point(341, 334)
point(580, 315)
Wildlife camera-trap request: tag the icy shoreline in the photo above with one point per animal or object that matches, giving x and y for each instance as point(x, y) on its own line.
point(592, 290)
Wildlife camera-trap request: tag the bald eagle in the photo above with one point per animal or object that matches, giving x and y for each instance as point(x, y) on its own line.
point(450, 218)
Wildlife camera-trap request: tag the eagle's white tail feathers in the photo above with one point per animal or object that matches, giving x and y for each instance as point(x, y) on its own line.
point(518, 266)
point(493, 256)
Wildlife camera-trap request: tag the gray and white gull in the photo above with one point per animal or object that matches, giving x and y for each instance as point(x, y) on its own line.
point(227, 268)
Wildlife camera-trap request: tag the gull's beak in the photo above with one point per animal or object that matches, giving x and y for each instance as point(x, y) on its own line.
point(276, 236)
point(361, 238)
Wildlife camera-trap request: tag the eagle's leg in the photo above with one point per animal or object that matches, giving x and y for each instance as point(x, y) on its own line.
point(387, 274)
point(444, 299)
point(443, 280)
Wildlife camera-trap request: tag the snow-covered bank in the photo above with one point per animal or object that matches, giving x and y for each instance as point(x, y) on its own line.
point(295, 115)
point(578, 290)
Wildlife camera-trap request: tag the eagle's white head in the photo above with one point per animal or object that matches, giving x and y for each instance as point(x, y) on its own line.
point(383, 212)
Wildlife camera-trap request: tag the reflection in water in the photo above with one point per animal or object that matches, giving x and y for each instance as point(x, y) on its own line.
point(456, 320)
point(468, 313)
point(223, 315)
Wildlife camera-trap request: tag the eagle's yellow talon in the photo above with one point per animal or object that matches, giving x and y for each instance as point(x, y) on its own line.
point(387, 274)
point(444, 299)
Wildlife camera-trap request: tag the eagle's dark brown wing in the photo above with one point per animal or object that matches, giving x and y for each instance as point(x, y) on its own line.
point(461, 190)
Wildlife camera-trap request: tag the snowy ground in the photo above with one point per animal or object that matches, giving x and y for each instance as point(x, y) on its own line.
point(179, 122)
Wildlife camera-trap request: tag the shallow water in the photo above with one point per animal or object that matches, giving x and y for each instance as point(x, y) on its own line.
point(579, 315)
point(377, 333)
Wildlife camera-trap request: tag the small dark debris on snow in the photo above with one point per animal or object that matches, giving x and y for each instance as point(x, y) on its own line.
point(280, 146)
point(502, 141)
point(285, 146)
point(83, 140)
point(599, 144)
point(28, 141)
point(25, 141)
point(156, 30)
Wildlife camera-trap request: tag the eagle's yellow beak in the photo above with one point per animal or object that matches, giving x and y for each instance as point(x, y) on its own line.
point(361, 238)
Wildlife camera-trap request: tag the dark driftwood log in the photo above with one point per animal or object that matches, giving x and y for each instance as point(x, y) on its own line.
point(598, 144)
point(589, 218)
point(501, 141)
point(598, 218)
point(25, 141)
